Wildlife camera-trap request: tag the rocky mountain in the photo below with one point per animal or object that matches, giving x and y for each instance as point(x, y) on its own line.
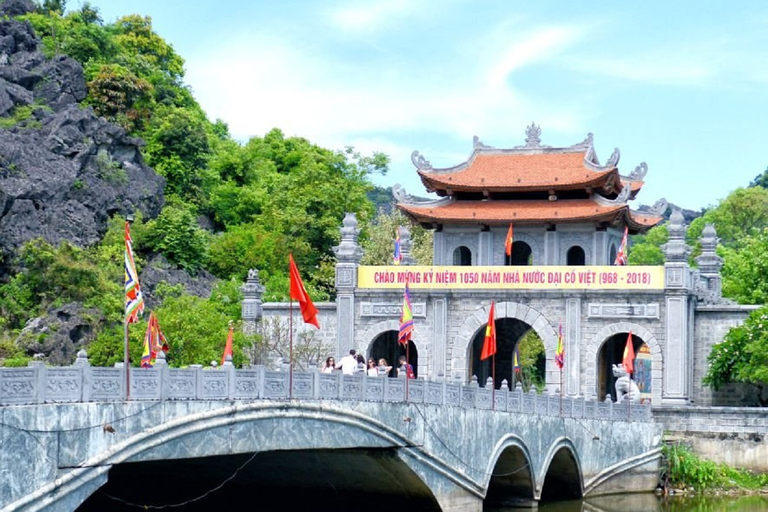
point(63, 170)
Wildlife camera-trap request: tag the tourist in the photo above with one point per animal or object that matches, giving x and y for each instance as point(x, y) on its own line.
point(348, 363)
point(372, 370)
point(329, 365)
point(384, 368)
point(405, 369)
point(360, 364)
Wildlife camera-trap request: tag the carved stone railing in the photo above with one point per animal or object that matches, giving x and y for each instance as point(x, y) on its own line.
point(38, 384)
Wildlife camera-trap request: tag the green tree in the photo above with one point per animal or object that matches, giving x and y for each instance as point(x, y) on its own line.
point(646, 249)
point(120, 96)
point(745, 268)
point(379, 242)
point(176, 235)
point(739, 215)
point(742, 356)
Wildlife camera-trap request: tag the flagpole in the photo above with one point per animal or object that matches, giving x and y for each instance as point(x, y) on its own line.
point(126, 361)
point(493, 378)
point(290, 350)
point(629, 407)
point(407, 362)
point(561, 391)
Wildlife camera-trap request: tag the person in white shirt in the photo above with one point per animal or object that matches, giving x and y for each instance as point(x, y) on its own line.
point(348, 363)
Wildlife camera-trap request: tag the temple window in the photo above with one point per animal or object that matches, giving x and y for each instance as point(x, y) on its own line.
point(576, 256)
point(522, 255)
point(612, 255)
point(462, 256)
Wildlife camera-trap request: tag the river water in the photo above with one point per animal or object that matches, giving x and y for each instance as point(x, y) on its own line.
point(649, 502)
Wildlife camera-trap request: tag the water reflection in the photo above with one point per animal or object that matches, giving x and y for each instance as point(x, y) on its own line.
point(648, 502)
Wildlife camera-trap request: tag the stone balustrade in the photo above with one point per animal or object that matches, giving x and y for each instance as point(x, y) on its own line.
point(38, 384)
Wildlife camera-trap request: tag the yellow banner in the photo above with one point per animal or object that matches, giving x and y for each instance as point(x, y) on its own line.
point(537, 278)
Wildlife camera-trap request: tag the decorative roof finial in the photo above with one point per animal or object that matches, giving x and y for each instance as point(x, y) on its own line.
point(533, 136)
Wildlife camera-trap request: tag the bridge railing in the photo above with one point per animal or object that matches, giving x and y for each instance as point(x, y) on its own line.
point(39, 384)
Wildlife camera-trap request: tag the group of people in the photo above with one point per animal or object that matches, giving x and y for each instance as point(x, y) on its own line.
point(354, 363)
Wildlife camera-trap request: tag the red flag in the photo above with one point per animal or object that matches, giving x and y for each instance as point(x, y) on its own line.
point(629, 355)
point(406, 318)
point(308, 309)
point(508, 242)
point(621, 257)
point(227, 347)
point(489, 344)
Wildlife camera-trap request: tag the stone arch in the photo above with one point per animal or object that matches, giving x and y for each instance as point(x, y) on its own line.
point(180, 437)
point(589, 384)
point(560, 446)
point(477, 320)
point(565, 247)
point(510, 469)
point(366, 339)
point(461, 256)
point(576, 255)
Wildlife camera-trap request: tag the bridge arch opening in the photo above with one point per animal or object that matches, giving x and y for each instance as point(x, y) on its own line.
point(563, 480)
point(510, 333)
point(323, 480)
point(611, 353)
point(511, 482)
point(386, 346)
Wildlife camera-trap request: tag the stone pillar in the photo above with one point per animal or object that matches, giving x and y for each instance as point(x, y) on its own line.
point(348, 254)
point(485, 245)
point(551, 246)
point(600, 249)
point(679, 316)
point(572, 334)
point(710, 285)
point(405, 246)
point(438, 249)
point(251, 310)
point(439, 335)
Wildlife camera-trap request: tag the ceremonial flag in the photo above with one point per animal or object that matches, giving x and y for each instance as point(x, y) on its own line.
point(154, 342)
point(489, 343)
point(398, 257)
point(516, 360)
point(560, 350)
point(508, 242)
point(227, 347)
point(299, 293)
point(134, 300)
point(621, 257)
point(406, 318)
point(629, 355)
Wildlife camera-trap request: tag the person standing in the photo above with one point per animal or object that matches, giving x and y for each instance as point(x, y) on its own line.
point(405, 369)
point(348, 363)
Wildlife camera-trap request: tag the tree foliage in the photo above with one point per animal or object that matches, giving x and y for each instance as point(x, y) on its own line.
point(646, 249)
point(379, 242)
point(742, 356)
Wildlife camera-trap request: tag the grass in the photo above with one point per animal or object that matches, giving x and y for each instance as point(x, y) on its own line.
point(686, 471)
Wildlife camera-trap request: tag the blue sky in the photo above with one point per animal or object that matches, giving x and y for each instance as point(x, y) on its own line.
point(679, 85)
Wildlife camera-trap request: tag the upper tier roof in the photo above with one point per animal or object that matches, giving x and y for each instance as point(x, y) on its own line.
point(528, 168)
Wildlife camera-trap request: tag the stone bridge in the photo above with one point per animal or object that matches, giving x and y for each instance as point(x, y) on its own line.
point(66, 432)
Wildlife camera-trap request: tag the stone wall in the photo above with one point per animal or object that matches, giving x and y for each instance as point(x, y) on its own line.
point(711, 325)
point(737, 436)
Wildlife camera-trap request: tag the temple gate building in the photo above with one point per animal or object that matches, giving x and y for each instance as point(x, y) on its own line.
point(568, 214)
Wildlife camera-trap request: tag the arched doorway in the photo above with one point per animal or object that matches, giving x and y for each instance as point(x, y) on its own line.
point(509, 332)
point(612, 255)
point(576, 256)
point(522, 254)
point(386, 346)
point(612, 352)
point(462, 256)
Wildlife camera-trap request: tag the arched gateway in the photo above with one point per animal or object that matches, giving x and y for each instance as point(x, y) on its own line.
point(568, 217)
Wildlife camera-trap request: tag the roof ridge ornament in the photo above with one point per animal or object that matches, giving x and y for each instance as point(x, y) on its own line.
point(478, 144)
point(403, 197)
point(586, 143)
point(420, 162)
point(613, 160)
point(533, 136)
point(639, 173)
point(621, 199)
point(659, 208)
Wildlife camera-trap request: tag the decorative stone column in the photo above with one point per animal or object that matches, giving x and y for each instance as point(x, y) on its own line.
point(405, 246)
point(348, 254)
point(677, 369)
point(251, 308)
point(710, 284)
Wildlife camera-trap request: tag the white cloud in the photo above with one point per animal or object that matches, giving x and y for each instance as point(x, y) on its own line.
point(371, 15)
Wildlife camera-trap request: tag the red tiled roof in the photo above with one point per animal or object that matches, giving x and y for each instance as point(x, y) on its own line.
point(526, 212)
point(519, 172)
